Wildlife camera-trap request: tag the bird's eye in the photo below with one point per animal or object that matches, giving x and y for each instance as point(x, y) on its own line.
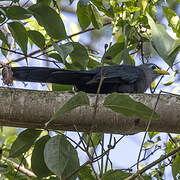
point(153, 66)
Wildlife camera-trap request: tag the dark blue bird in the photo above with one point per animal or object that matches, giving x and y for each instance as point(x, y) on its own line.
point(122, 78)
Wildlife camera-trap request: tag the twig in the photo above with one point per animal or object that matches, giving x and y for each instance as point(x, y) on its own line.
point(147, 128)
point(94, 151)
point(69, 139)
point(96, 175)
point(114, 171)
point(94, 114)
point(145, 158)
point(91, 156)
point(18, 168)
point(76, 170)
point(107, 158)
point(102, 159)
point(107, 151)
point(81, 139)
point(16, 52)
point(163, 157)
point(173, 140)
point(21, 169)
point(97, 98)
point(48, 46)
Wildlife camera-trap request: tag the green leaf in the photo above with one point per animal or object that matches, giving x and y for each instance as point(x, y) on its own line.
point(114, 54)
point(79, 56)
point(37, 38)
point(19, 33)
point(3, 38)
point(126, 57)
point(67, 49)
point(96, 138)
point(128, 107)
point(173, 55)
point(56, 56)
point(86, 173)
point(96, 18)
point(150, 144)
point(50, 20)
point(169, 146)
point(152, 134)
point(63, 50)
point(162, 42)
point(17, 12)
point(173, 20)
point(45, 2)
point(23, 142)
point(132, 9)
point(83, 14)
point(104, 6)
point(61, 157)
point(93, 63)
point(4, 52)
point(80, 99)
point(171, 81)
point(112, 174)
point(149, 50)
point(176, 167)
point(69, 65)
point(59, 50)
point(2, 15)
point(37, 160)
point(9, 141)
point(152, 10)
point(175, 48)
point(144, 4)
point(60, 87)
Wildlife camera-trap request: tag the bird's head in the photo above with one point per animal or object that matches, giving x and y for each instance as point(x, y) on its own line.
point(153, 71)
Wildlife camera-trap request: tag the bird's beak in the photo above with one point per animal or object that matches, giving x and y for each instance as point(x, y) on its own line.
point(161, 71)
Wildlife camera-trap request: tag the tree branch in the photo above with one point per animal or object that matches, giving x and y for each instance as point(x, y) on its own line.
point(32, 109)
point(21, 169)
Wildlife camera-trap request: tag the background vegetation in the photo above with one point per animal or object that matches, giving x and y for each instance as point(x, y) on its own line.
point(123, 31)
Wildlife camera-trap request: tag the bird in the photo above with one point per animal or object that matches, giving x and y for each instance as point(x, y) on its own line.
point(115, 78)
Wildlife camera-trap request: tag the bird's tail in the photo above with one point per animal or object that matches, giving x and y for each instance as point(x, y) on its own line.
point(50, 75)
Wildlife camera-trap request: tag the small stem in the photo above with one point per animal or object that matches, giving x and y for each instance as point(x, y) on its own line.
point(106, 164)
point(147, 128)
point(48, 46)
point(163, 157)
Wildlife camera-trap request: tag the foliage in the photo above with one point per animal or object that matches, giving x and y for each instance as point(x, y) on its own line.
point(125, 105)
point(135, 30)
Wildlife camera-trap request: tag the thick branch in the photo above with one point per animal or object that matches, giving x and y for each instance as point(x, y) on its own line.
point(32, 109)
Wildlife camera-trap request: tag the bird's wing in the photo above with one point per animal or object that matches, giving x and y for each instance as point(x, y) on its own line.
point(118, 74)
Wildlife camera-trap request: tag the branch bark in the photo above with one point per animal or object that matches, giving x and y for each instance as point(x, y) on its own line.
point(32, 109)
